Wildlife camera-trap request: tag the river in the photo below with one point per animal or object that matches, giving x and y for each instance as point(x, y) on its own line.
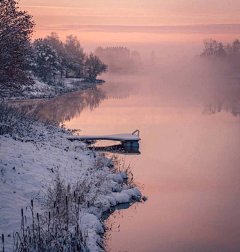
point(189, 166)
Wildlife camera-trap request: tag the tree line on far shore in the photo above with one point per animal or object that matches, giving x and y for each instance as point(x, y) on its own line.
point(229, 53)
point(120, 60)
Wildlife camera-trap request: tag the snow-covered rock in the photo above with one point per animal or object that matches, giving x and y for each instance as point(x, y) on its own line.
point(90, 221)
point(121, 197)
point(116, 177)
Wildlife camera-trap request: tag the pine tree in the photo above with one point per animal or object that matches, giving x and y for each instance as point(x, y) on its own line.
point(75, 56)
point(16, 28)
point(59, 47)
point(47, 63)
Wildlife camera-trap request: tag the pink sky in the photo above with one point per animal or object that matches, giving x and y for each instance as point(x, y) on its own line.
point(122, 22)
point(136, 12)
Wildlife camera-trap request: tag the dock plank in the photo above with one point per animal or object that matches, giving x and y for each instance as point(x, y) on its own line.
point(116, 137)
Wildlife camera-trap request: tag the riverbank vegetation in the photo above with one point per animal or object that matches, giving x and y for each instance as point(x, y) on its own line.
point(54, 192)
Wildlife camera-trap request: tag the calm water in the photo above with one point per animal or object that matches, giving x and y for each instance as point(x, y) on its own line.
point(189, 165)
point(189, 162)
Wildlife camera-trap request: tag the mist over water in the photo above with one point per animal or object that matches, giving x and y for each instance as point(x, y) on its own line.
point(189, 162)
point(173, 76)
point(187, 111)
point(188, 117)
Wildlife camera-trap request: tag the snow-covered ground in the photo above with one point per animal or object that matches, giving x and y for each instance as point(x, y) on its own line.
point(42, 90)
point(28, 164)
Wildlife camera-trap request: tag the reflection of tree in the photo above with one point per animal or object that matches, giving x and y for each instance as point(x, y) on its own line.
point(213, 108)
point(225, 98)
point(112, 220)
point(210, 109)
point(65, 107)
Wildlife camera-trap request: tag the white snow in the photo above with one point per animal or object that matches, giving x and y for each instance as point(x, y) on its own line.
point(115, 137)
point(27, 167)
point(40, 89)
point(116, 177)
point(121, 197)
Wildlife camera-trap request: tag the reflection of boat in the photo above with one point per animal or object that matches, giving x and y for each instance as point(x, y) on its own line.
point(119, 148)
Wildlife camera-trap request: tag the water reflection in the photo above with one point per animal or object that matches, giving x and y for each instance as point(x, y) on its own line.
point(119, 87)
point(155, 90)
point(189, 162)
point(229, 106)
point(68, 106)
point(112, 224)
point(64, 107)
point(196, 84)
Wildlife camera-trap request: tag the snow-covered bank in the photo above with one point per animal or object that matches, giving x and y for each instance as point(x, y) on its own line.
point(28, 164)
point(40, 89)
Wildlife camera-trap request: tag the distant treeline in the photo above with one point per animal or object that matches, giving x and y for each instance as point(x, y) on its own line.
point(120, 59)
point(230, 53)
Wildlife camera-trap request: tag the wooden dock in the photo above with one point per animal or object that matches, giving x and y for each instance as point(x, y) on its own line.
point(131, 139)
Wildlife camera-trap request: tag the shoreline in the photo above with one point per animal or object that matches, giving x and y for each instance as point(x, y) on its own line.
point(41, 90)
point(29, 163)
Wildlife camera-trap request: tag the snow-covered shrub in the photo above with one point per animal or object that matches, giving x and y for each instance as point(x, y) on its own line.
point(120, 167)
point(46, 233)
point(58, 228)
point(27, 126)
point(66, 198)
point(14, 122)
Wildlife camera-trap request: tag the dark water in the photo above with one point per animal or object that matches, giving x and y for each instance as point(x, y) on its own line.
point(189, 162)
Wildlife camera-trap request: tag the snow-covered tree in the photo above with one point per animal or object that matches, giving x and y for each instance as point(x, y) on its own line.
point(47, 63)
point(16, 28)
point(75, 56)
point(60, 49)
point(94, 67)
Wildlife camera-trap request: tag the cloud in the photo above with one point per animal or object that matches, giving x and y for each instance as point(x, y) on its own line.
point(184, 29)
